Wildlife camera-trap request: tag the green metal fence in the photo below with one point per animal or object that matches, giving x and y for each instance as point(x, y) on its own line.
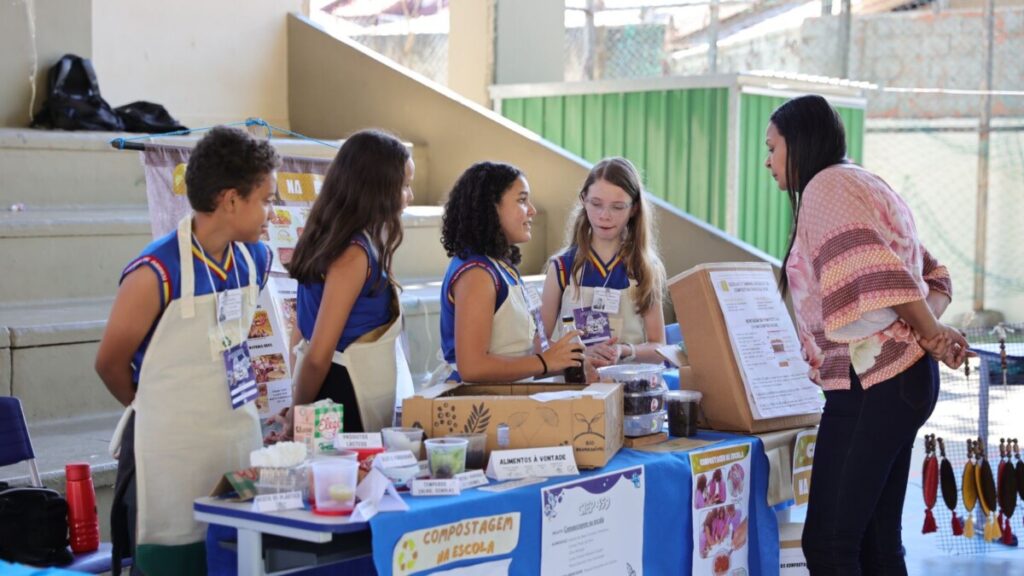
point(679, 139)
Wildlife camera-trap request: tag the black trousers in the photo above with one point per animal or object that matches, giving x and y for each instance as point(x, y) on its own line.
point(861, 466)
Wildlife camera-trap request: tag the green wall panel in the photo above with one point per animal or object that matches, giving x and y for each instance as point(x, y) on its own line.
point(679, 140)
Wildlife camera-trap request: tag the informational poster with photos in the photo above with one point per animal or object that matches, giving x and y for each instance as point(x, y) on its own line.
point(721, 509)
point(269, 352)
point(283, 231)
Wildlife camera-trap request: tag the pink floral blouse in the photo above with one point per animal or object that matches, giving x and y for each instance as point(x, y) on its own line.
point(856, 255)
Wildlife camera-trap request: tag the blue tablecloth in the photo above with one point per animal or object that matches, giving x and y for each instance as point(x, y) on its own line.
point(668, 540)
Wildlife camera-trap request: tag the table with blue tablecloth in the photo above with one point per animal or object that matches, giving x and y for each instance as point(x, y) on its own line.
point(667, 524)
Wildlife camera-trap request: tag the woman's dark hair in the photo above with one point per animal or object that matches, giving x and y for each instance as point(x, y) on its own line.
point(362, 191)
point(470, 222)
point(815, 139)
point(226, 158)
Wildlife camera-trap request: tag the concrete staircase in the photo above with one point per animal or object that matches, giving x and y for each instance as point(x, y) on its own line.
point(74, 213)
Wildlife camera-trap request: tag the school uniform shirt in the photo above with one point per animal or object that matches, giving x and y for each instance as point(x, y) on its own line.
point(161, 256)
point(503, 275)
point(371, 310)
point(596, 273)
point(577, 292)
point(856, 254)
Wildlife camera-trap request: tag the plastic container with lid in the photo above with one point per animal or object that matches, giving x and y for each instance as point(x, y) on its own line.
point(642, 425)
point(635, 378)
point(683, 407)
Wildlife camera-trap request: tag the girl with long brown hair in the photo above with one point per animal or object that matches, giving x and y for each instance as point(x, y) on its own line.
point(347, 304)
point(609, 276)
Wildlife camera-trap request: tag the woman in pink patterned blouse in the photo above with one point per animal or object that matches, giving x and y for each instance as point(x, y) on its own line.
point(867, 297)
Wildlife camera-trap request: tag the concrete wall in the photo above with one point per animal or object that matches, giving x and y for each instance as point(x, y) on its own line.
point(457, 133)
point(904, 49)
point(206, 62)
point(34, 34)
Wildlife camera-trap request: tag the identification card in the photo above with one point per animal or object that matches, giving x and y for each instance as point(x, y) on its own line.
point(606, 300)
point(229, 305)
point(532, 297)
point(240, 374)
point(594, 325)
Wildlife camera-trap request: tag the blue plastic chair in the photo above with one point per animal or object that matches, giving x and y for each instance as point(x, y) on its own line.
point(673, 335)
point(15, 447)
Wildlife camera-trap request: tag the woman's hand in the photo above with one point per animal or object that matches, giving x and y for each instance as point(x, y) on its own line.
point(947, 345)
point(605, 353)
point(284, 418)
point(566, 353)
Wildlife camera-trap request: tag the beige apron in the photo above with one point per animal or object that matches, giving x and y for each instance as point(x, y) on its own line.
point(512, 328)
point(627, 325)
point(186, 434)
point(378, 368)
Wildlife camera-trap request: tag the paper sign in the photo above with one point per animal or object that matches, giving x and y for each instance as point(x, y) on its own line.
point(803, 458)
point(349, 440)
point(721, 509)
point(470, 540)
point(376, 488)
point(512, 485)
point(594, 525)
point(396, 459)
point(364, 511)
point(445, 487)
point(512, 464)
point(277, 502)
point(471, 479)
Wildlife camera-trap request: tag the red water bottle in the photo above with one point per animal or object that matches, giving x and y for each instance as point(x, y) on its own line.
point(83, 526)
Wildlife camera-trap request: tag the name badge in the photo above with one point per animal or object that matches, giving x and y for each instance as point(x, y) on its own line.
point(606, 300)
point(532, 297)
point(446, 487)
point(229, 305)
point(240, 375)
point(596, 326)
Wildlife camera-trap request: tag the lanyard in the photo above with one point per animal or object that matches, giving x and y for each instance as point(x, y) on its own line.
point(217, 304)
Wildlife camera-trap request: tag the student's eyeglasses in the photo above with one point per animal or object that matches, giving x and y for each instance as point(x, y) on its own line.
point(615, 208)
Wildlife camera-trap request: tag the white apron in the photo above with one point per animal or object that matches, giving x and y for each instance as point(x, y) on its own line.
point(186, 434)
point(627, 325)
point(512, 328)
point(378, 368)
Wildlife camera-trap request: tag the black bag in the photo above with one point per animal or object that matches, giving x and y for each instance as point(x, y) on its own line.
point(147, 117)
point(73, 100)
point(33, 526)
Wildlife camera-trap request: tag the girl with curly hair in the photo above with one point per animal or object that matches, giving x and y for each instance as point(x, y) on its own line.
point(609, 273)
point(347, 304)
point(487, 322)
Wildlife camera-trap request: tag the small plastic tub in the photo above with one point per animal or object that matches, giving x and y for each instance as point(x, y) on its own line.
point(643, 403)
point(635, 378)
point(683, 407)
point(643, 425)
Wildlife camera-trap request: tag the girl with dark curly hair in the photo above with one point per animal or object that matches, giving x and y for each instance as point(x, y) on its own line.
point(347, 307)
point(487, 321)
point(609, 276)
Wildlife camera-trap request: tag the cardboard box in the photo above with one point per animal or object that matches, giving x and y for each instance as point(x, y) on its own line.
point(317, 424)
point(716, 373)
point(791, 555)
point(591, 424)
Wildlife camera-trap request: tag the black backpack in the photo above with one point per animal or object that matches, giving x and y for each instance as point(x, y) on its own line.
point(73, 100)
point(33, 526)
point(147, 117)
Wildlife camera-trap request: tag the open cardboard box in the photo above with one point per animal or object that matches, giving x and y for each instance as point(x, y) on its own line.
point(716, 373)
point(591, 423)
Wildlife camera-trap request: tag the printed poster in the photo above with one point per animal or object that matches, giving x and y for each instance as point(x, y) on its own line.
point(283, 230)
point(475, 538)
point(765, 344)
point(721, 510)
point(269, 352)
point(803, 458)
point(594, 525)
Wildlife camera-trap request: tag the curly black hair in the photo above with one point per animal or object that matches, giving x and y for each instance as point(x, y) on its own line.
point(226, 158)
point(470, 223)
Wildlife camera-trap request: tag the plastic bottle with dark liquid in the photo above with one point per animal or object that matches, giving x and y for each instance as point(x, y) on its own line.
point(573, 374)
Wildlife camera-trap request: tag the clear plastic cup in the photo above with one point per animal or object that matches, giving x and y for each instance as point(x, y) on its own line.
point(334, 486)
point(446, 456)
point(476, 451)
point(396, 439)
